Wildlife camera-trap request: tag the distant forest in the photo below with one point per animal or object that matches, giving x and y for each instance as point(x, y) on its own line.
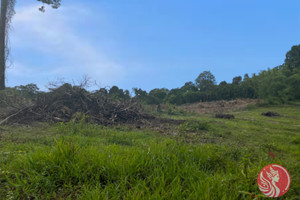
point(278, 85)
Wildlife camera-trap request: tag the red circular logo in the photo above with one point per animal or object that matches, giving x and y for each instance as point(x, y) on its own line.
point(274, 180)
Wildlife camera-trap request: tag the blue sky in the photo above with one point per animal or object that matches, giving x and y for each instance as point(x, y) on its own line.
point(150, 43)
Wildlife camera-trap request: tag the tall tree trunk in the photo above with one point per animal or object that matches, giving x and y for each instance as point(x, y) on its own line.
point(4, 6)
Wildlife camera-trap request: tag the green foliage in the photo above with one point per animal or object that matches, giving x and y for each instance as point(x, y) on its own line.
point(205, 81)
point(292, 59)
point(272, 86)
point(176, 99)
point(191, 96)
point(29, 90)
point(118, 94)
point(223, 83)
point(140, 95)
point(160, 94)
point(18, 97)
point(296, 140)
point(237, 80)
point(188, 87)
point(293, 88)
point(276, 86)
point(194, 126)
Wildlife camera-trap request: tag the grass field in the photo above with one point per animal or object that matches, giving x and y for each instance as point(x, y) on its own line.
point(204, 158)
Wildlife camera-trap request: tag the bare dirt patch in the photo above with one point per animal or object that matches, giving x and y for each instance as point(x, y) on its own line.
point(218, 106)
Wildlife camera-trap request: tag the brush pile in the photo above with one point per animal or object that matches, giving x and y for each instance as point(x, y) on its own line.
point(270, 114)
point(60, 104)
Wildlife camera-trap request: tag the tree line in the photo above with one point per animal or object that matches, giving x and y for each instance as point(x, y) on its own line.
point(277, 85)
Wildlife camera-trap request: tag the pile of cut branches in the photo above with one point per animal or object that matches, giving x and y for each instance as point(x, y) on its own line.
point(60, 104)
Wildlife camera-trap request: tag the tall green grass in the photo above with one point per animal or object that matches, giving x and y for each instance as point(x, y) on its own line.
point(79, 160)
point(157, 170)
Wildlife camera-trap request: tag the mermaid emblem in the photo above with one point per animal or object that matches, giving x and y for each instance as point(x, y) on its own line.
point(274, 180)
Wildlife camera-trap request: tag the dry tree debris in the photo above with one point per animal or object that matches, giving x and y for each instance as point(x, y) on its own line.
point(60, 104)
point(270, 114)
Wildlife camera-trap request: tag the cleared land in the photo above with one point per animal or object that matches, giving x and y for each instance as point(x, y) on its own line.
point(202, 158)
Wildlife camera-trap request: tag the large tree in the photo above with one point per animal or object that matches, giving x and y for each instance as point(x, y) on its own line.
point(6, 14)
point(237, 80)
point(292, 60)
point(205, 81)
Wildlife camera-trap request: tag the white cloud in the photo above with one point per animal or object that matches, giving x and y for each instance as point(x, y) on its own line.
point(55, 35)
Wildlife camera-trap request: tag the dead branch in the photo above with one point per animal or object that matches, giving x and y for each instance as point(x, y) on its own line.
point(7, 118)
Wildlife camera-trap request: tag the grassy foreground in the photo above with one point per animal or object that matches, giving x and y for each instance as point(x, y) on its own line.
point(207, 158)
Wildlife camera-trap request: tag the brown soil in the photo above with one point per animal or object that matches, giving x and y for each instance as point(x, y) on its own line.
point(218, 106)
